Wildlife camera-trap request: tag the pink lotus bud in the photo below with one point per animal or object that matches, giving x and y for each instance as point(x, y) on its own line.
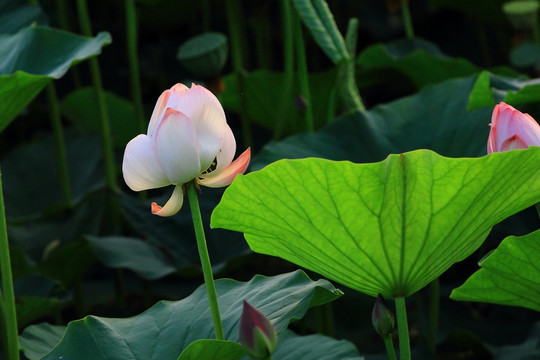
point(188, 138)
point(257, 335)
point(511, 130)
point(382, 318)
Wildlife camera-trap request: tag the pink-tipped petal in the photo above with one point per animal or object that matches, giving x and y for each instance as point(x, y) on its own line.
point(173, 205)
point(177, 147)
point(208, 118)
point(140, 167)
point(227, 176)
point(169, 98)
point(158, 111)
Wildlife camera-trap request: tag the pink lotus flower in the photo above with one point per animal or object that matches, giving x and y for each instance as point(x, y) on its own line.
point(511, 130)
point(188, 139)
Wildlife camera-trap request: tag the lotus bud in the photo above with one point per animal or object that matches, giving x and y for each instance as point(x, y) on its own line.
point(382, 318)
point(511, 130)
point(257, 335)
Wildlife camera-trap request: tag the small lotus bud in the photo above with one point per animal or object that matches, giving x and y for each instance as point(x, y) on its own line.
point(257, 335)
point(382, 318)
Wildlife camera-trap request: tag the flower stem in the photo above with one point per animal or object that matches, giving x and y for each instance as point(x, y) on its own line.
point(288, 68)
point(403, 329)
point(63, 16)
point(234, 22)
point(205, 260)
point(106, 139)
point(10, 314)
point(131, 37)
point(301, 65)
point(60, 144)
point(406, 13)
point(389, 345)
point(346, 69)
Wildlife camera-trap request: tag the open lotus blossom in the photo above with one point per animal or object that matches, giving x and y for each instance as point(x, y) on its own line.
point(188, 139)
point(511, 129)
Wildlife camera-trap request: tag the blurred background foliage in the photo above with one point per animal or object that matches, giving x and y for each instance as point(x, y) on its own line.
point(433, 91)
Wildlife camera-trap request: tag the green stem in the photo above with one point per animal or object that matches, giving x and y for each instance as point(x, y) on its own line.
point(389, 345)
point(234, 21)
point(407, 21)
point(324, 319)
point(60, 143)
point(433, 314)
point(205, 260)
point(10, 312)
point(3, 328)
point(346, 72)
point(288, 68)
point(131, 36)
point(105, 129)
point(332, 104)
point(303, 78)
point(62, 13)
point(403, 329)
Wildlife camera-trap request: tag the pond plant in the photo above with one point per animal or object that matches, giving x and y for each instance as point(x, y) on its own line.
point(383, 227)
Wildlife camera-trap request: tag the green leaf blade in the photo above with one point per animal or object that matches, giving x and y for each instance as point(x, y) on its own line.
point(22, 77)
point(166, 329)
point(508, 276)
point(210, 349)
point(389, 227)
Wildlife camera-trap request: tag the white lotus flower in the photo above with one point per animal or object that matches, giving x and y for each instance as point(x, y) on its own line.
point(188, 139)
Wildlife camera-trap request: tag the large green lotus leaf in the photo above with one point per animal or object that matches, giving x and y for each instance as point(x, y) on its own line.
point(419, 60)
point(389, 227)
point(116, 252)
point(37, 340)
point(263, 93)
point(175, 236)
point(436, 118)
point(508, 276)
point(313, 347)
point(166, 329)
point(16, 14)
point(211, 349)
point(30, 174)
point(124, 126)
point(490, 89)
point(22, 77)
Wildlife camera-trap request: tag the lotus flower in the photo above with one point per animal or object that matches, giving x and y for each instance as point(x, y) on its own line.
point(511, 129)
point(188, 139)
point(257, 335)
